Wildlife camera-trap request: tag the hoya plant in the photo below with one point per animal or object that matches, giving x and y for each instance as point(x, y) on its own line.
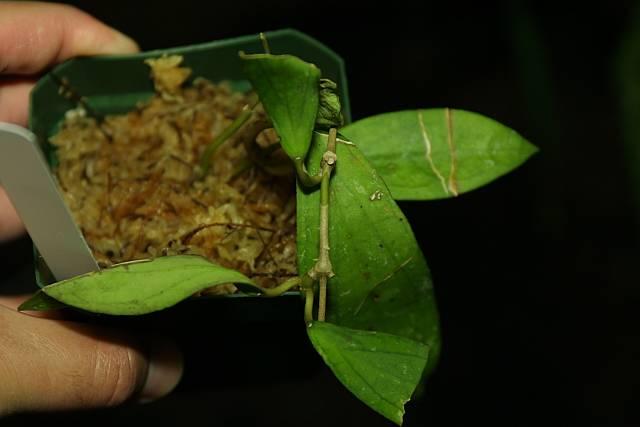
point(369, 305)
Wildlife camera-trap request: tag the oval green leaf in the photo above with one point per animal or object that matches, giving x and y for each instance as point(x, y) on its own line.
point(288, 89)
point(438, 153)
point(381, 369)
point(142, 287)
point(381, 281)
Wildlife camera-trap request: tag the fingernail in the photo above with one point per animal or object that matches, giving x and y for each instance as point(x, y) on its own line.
point(165, 370)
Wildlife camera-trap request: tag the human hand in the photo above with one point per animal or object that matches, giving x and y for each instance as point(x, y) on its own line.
point(33, 37)
point(50, 364)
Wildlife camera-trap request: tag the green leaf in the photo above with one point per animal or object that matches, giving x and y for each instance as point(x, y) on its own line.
point(381, 369)
point(40, 302)
point(288, 89)
point(143, 286)
point(438, 153)
point(381, 280)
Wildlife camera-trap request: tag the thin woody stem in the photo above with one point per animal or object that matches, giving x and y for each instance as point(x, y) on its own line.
point(331, 142)
point(322, 298)
point(323, 269)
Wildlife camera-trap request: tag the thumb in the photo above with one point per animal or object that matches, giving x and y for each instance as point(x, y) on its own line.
point(10, 224)
point(34, 36)
point(52, 365)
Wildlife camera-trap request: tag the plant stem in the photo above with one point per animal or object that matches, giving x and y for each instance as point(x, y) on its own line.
point(305, 179)
point(306, 285)
point(323, 269)
point(265, 43)
point(281, 288)
point(205, 160)
point(308, 306)
point(322, 298)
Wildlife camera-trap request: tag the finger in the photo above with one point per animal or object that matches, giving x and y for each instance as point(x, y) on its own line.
point(14, 100)
point(53, 365)
point(10, 224)
point(35, 35)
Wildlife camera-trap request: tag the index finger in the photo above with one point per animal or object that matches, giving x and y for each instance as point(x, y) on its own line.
point(34, 36)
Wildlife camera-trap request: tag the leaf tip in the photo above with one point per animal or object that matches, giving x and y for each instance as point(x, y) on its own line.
point(40, 302)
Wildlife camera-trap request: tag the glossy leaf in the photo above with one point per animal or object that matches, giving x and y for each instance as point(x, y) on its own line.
point(142, 287)
point(437, 153)
point(381, 369)
point(288, 89)
point(381, 280)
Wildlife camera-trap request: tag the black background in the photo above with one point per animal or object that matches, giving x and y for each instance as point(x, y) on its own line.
point(534, 274)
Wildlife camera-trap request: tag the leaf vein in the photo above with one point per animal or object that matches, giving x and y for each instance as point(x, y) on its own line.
point(427, 154)
point(453, 183)
point(373, 389)
point(390, 353)
point(387, 277)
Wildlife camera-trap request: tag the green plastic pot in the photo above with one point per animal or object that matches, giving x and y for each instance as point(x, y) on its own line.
point(114, 84)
